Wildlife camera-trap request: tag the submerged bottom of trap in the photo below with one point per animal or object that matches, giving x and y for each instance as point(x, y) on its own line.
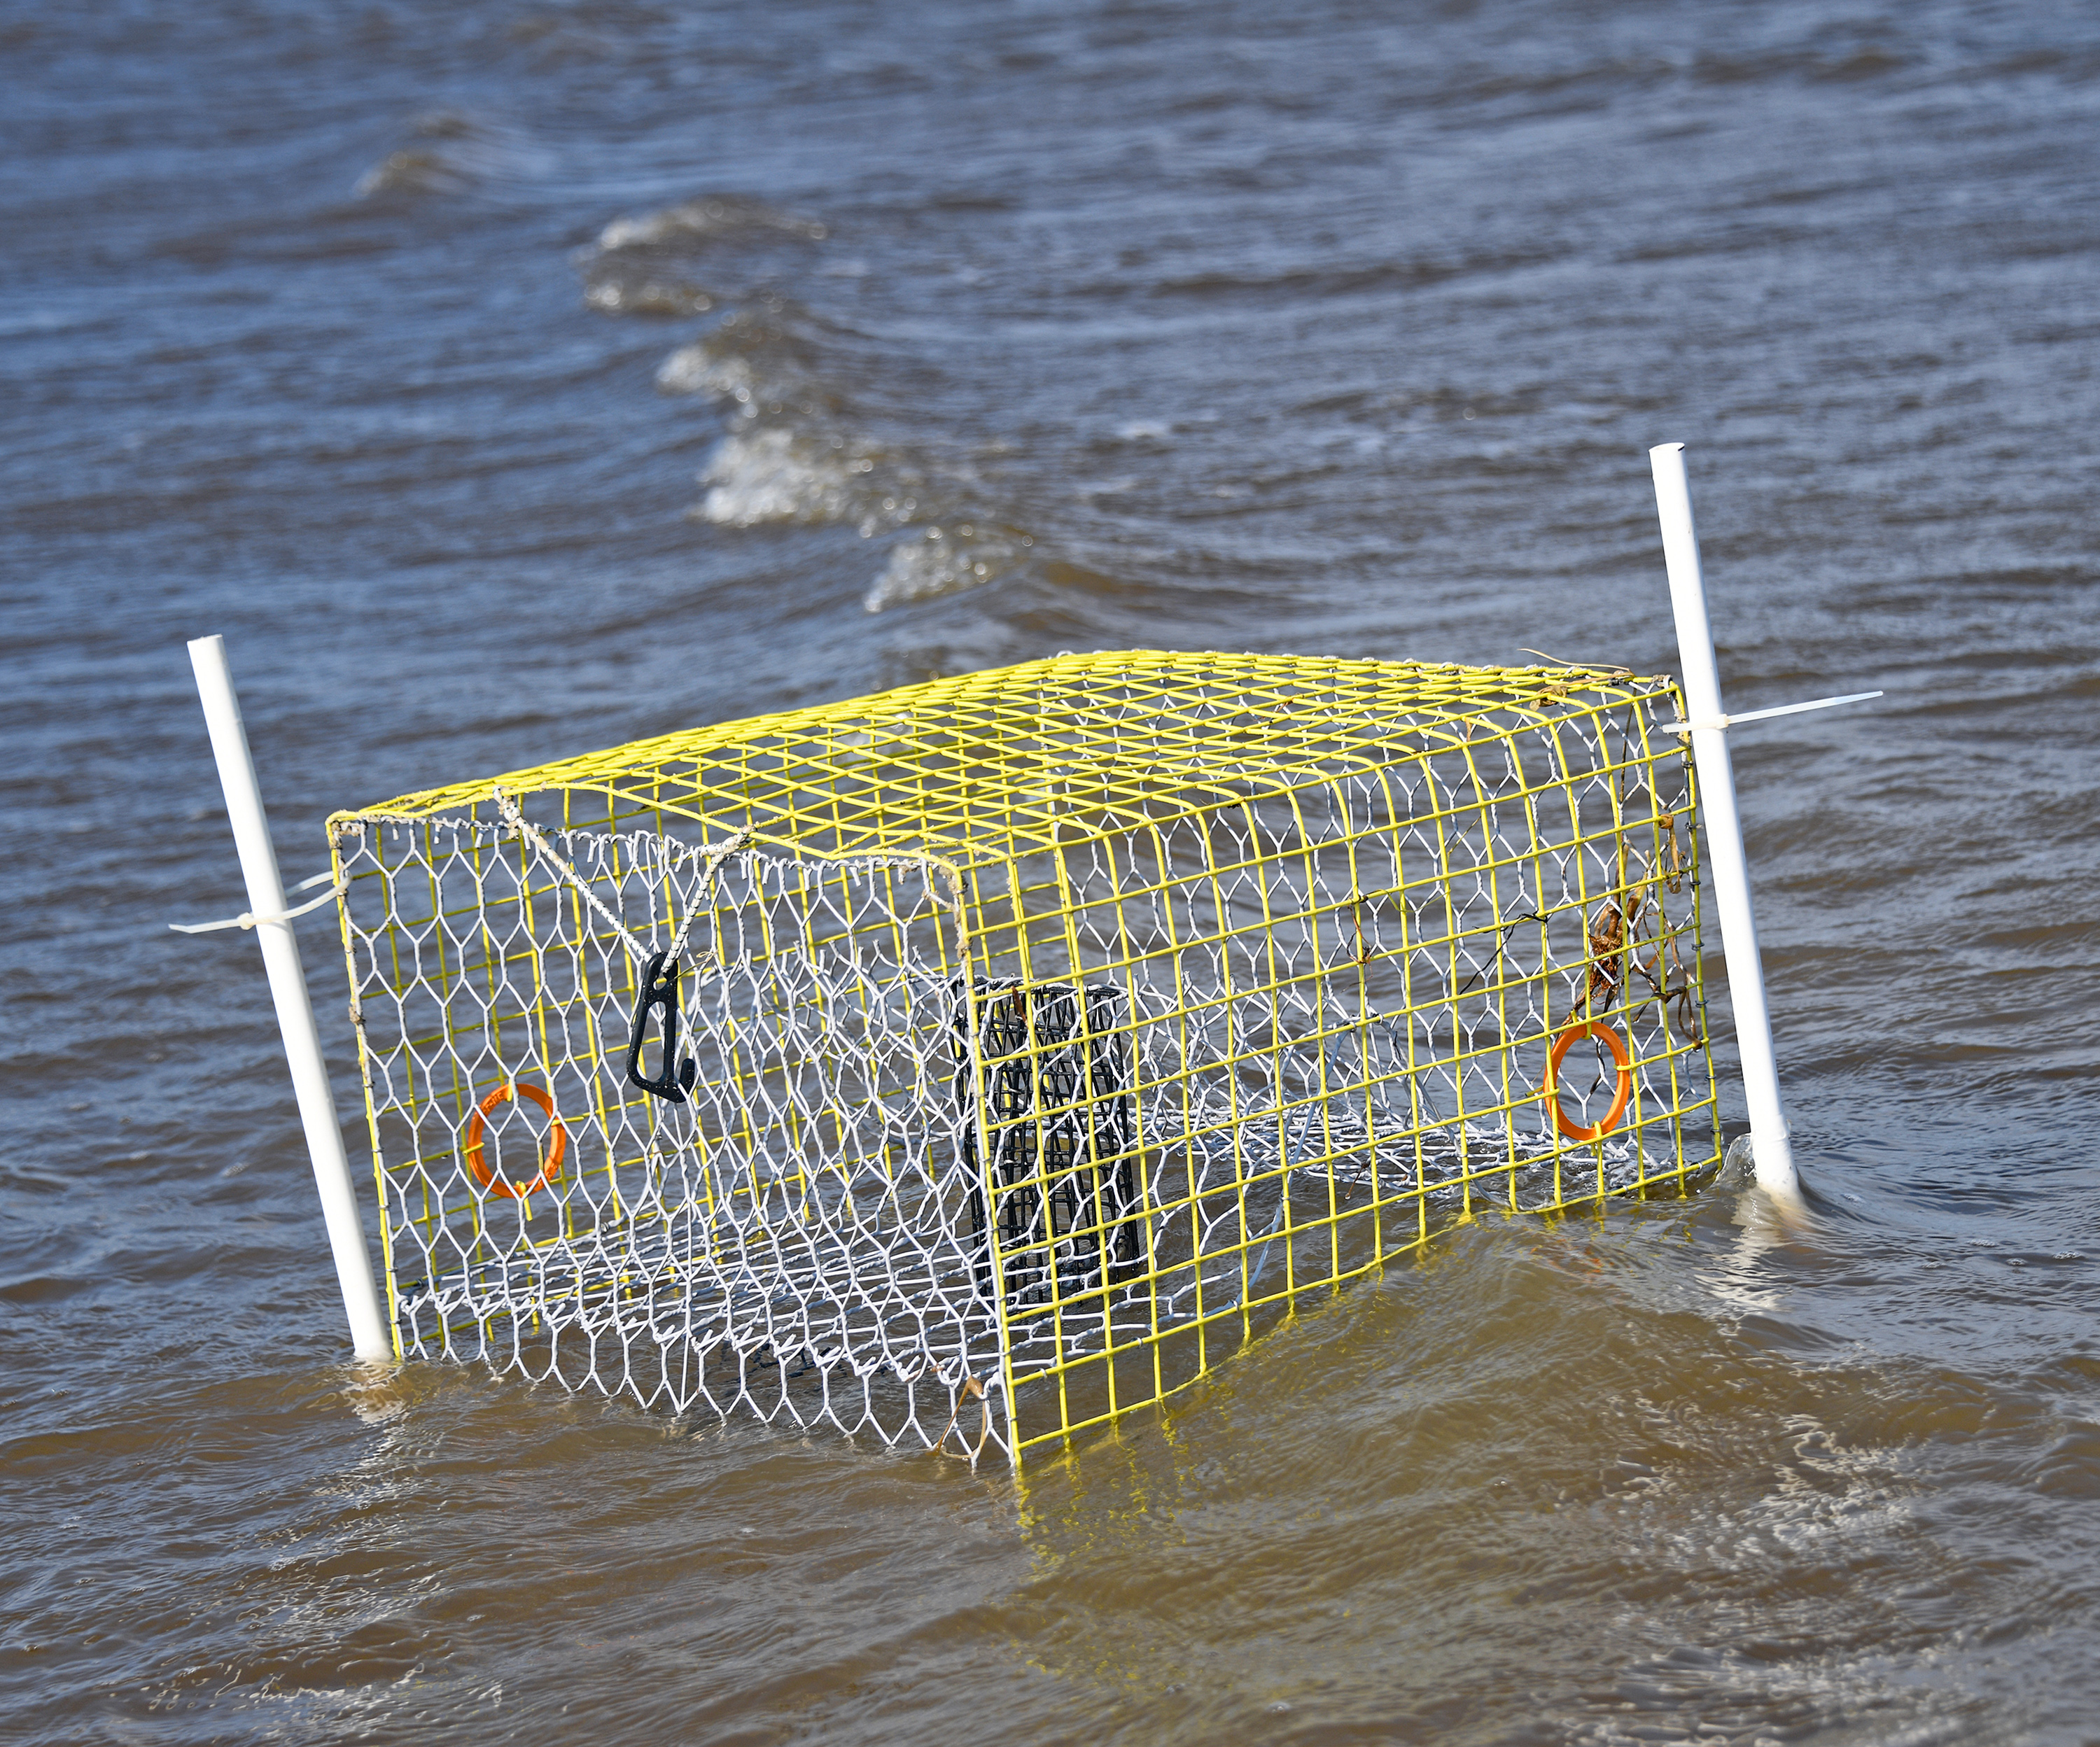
point(789, 1326)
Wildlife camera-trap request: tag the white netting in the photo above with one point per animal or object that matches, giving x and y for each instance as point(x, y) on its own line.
point(794, 1219)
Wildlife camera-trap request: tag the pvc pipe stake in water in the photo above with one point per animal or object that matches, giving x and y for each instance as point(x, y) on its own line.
point(1772, 1149)
point(287, 987)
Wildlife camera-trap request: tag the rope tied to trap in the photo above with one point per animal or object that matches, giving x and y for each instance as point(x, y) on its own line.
point(247, 919)
point(659, 971)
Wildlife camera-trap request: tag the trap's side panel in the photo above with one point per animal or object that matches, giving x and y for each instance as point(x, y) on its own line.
point(1342, 1015)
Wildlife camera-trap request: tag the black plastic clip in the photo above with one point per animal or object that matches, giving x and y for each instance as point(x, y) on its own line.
point(659, 989)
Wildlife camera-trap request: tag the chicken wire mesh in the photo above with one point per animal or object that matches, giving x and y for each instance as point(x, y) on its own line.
point(968, 1065)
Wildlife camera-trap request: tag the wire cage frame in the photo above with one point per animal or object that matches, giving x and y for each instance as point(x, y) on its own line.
point(1026, 1042)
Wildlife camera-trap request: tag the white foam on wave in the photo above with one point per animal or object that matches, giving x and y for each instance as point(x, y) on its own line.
point(776, 475)
point(697, 221)
point(723, 367)
point(784, 461)
point(946, 561)
point(698, 370)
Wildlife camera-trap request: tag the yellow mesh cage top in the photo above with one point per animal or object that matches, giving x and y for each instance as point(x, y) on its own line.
point(968, 1065)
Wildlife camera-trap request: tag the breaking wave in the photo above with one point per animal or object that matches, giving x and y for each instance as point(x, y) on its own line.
point(771, 473)
point(948, 560)
point(685, 259)
point(802, 449)
point(712, 216)
point(775, 475)
point(448, 153)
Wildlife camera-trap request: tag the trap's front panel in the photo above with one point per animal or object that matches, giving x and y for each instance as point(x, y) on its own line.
point(1342, 1016)
point(790, 1237)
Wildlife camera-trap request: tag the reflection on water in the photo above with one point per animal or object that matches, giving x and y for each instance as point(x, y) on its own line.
point(528, 378)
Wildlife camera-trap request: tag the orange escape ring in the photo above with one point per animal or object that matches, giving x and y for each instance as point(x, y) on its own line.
point(550, 1167)
point(1561, 1045)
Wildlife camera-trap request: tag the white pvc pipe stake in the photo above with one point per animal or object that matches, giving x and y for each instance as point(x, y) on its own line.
point(1771, 1150)
point(287, 987)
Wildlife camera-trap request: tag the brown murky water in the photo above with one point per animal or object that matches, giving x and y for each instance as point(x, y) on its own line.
point(522, 377)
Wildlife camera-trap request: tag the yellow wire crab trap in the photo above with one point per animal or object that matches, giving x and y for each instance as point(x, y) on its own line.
point(970, 1064)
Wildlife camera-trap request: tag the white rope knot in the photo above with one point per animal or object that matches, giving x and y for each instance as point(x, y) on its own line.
point(247, 919)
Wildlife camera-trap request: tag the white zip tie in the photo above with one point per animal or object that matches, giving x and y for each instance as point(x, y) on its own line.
point(249, 919)
point(1783, 709)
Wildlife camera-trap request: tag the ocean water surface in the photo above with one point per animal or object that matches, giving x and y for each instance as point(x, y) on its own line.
point(513, 378)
